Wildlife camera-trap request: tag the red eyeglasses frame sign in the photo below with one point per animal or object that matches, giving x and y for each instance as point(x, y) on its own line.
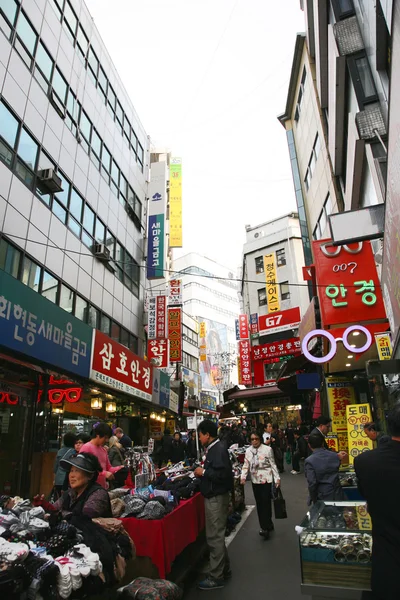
point(9, 398)
point(63, 394)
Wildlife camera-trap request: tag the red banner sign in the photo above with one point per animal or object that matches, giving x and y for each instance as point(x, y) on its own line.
point(254, 324)
point(244, 363)
point(348, 285)
point(276, 349)
point(117, 367)
point(175, 334)
point(281, 321)
point(158, 350)
point(175, 292)
point(243, 327)
point(161, 317)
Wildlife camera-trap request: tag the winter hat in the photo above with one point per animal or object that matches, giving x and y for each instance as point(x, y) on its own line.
point(152, 510)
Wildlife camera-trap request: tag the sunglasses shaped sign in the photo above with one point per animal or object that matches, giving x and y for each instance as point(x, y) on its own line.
point(9, 398)
point(333, 342)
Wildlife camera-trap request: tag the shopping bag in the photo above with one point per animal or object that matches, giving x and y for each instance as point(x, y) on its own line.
point(279, 504)
point(288, 456)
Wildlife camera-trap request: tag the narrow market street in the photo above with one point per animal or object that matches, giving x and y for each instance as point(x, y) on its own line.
point(270, 568)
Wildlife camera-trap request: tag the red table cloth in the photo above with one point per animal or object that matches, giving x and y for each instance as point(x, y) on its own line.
point(162, 540)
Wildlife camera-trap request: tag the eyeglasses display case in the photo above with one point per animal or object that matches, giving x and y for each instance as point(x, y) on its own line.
point(335, 550)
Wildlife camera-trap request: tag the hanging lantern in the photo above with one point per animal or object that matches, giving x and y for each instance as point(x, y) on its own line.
point(96, 403)
point(57, 411)
point(111, 406)
point(158, 418)
point(162, 419)
point(153, 416)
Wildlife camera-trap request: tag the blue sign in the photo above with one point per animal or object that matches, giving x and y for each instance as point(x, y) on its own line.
point(208, 401)
point(155, 247)
point(164, 389)
point(34, 326)
point(237, 329)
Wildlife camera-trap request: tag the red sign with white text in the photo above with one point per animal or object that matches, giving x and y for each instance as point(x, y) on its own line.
point(158, 349)
point(175, 334)
point(117, 367)
point(276, 349)
point(244, 363)
point(243, 327)
point(348, 285)
point(161, 317)
point(281, 321)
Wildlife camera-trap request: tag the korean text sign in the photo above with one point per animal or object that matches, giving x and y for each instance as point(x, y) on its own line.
point(208, 401)
point(253, 323)
point(155, 247)
point(276, 349)
point(280, 321)
point(340, 395)
point(117, 367)
point(244, 363)
point(271, 283)
point(36, 327)
point(161, 317)
point(243, 327)
point(348, 283)
point(175, 203)
point(152, 318)
point(384, 345)
point(158, 349)
point(175, 292)
point(357, 415)
point(175, 334)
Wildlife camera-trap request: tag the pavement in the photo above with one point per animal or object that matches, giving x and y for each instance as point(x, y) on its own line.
point(270, 568)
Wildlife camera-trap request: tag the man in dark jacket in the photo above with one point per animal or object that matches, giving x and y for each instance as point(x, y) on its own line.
point(216, 482)
point(299, 451)
point(166, 443)
point(322, 429)
point(177, 449)
point(378, 474)
point(322, 472)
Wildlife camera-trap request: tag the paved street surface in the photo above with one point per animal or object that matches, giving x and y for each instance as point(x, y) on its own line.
point(264, 568)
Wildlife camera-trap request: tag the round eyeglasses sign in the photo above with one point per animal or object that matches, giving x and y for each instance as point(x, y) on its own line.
point(333, 342)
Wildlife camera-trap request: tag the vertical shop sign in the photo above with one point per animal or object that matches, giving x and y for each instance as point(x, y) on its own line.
point(152, 318)
point(203, 342)
point(173, 401)
point(175, 334)
point(254, 325)
point(245, 362)
point(237, 331)
point(175, 292)
point(348, 283)
point(384, 345)
point(164, 389)
point(161, 317)
point(340, 394)
point(271, 283)
point(243, 327)
point(155, 247)
point(357, 416)
point(158, 350)
point(175, 203)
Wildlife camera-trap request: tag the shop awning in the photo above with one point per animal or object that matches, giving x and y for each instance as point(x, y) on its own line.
point(291, 366)
point(259, 392)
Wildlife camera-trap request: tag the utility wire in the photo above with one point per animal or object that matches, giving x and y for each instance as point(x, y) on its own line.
point(169, 271)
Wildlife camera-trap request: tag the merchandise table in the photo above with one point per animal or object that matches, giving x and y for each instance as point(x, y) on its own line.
point(162, 540)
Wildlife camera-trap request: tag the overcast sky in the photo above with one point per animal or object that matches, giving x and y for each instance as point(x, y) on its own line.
point(208, 78)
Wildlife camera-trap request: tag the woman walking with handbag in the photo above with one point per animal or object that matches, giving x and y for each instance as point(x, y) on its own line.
point(259, 461)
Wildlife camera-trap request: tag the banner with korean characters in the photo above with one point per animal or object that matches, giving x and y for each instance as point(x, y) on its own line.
point(208, 401)
point(357, 415)
point(384, 345)
point(34, 326)
point(175, 292)
point(245, 377)
point(243, 327)
point(152, 318)
point(175, 334)
point(276, 349)
point(161, 317)
point(155, 247)
point(348, 284)
point(341, 393)
point(254, 325)
point(158, 349)
point(173, 401)
point(271, 283)
point(284, 320)
point(237, 329)
point(117, 367)
point(203, 341)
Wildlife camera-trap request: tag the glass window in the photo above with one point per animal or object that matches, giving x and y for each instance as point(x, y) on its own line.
point(93, 61)
point(106, 159)
point(87, 239)
point(140, 153)
point(8, 125)
point(93, 317)
point(9, 8)
point(26, 33)
point(102, 79)
point(27, 149)
point(328, 206)
point(365, 76)
point(49, 287)
point(262, 297)
point(105, 324)
point(124, 338)
point(307, 179)
point(81, 308)
point(119, 254)
point(83, 42)
point(259, 264)
point(57, 5)
point(119, 112)
point(88, 219)
point(285, 292)
point(70, 19)
point(138, 208)
point(110, 243)
point(127, 127)
point(133, 343)
point(66, 298)
point(100, 233)
point(72, 105)
point(59, 85)
point(44, 61)
point(31, 274)
point(281, 257)
point(65, 184)
point(111, 97)
point(115, 331)
point(10, 258)
point(59, 211)
point(317, 146)
point(115, 172)
point(85, 125)
point(131, 197)
point(134, 141)
point(76, 205)
point(311, 165)
point(123, 186)
point(96, 143)
point(322, 221)
point(74, 226)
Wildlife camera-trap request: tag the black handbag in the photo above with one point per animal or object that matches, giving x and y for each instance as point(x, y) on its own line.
point(279, 504)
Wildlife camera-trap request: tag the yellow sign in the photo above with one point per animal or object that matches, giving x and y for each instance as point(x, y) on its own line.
point(332, 441)
point(363, 518)
point(203, 353)
point(384, 344)
point(357, 415)
point(271, 283)
point(340, 395)
point(203, 330)
point(175, 203)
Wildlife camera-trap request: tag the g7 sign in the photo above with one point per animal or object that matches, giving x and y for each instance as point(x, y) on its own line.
point(333, 341)
point(282, 321)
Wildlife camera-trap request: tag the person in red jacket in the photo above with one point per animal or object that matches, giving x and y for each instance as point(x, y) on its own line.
point(100, 436)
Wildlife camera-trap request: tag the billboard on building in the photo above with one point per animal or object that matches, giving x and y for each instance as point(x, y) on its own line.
point(271, 283)
point(175, 203)
point(216, 342)
point(175, 334)
point(156, 222)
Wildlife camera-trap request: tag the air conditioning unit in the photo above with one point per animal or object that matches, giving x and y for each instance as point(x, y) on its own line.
point(49, 179)
point(101, 251)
